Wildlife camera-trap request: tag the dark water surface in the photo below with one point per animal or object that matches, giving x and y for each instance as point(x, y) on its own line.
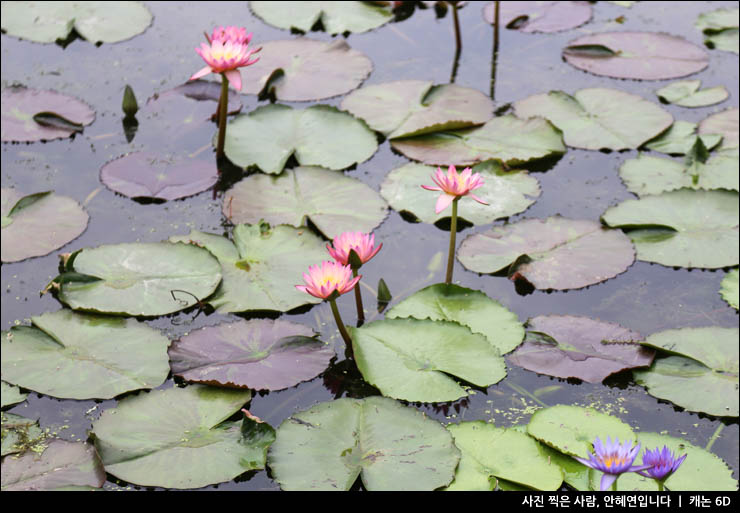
point(582, 185)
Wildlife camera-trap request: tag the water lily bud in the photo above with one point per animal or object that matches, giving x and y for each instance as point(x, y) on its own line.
point(130, 107)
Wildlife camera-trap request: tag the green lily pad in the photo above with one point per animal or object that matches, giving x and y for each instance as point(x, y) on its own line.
point(414, 107)
point(317, 136)
point(686, 93)
point(333, 202)
point(19, 104)
point(471, 308)
point(531, 17)
point(261, 267)
point(489, 451)
point(335, 17)
point(10, 394)
point(151, 175)
point(180, 438)
point(647, 175)
point(62, 465)
point(505, 138)
point(575, 474)
point(573, 429)
point(683, 228)
point(726, 124)
point(720, 28)
point(552, 253)
point(565, 346)
point(261, 354)
point(506, 192)
point(680, 138)
point(598, 118)
point(138, 278)
point(78, 356)
point(37, 224)
point(730, 290)
point(97, 22)
point(703, 374)
point(638, 56)
point(390, 446)
point(414, 359)
point(20, 434)
point(311, 70)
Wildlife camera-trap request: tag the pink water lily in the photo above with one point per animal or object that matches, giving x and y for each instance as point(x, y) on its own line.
point(455, 185)
point(236, 34)
point(362, 243)
point(329, 280)
point(226, 56)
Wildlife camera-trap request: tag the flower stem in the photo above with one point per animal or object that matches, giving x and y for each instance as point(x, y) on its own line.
point(453, 234)
point(496, 9)
point(661, 488)
point(222, 105)
point(458, 41)
point(358, 301)
point(342, 329)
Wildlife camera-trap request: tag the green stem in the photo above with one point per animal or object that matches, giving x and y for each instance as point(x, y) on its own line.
point(661, 488)
point(614, 485)
point(342, 328)
point(527, 393)
point(453, 234)
point(715, 436)
point(223, 102)
point(358, 301)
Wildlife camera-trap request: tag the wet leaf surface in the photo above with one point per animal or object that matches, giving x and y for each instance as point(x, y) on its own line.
point(335, 17)
point(540, 16)
point(686, 93)
point(730, 290)
point(724, 123)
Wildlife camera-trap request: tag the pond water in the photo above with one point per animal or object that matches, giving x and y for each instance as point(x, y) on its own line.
point(581, 185)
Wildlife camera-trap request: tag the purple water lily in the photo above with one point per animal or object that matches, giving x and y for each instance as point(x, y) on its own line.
point(663, 463)
point(613, 459)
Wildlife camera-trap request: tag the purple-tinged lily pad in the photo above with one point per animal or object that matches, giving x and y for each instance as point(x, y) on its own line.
point(504, 138)
point(414, 107)
point(19, 104)
point(637, 55)
point(552, 253)
point(540, 16)
point(261, 354)
point(166, 177)
point(565, 346)
point(37, 224)
point(724, 123)
point(62, 465)
point(311, 70)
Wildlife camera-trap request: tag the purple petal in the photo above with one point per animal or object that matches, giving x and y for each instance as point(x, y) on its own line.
point(607, 480)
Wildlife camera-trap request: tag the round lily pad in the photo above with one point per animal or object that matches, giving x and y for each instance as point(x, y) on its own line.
point(10, 395)
point(730, 290)
point(414, 107)
point(299, 70)
point(180, 438)
point(506, 192)
point(335, 17)
point(151, 175)
point(333, 202)
point(19, 104)
point(414, 359)
point(389, 446)
point(138, 278)
point(471, 308)
point(317, 136)
point(552, 253)
point(489, 451)
point(636, 55)
point(261, 267)
point(78, 356)
point(573, 429)
point(62, 465)
point(565, 346)
point(680, 138)
point(98, 22)
point(720, 28)
point(686, 93)
point(647, 175)
point(683, 228)
point(532, 17)
point(598, 117)
point(724, 123)
point(37, 224)
point(504, 138)
point(701, 374)
point(261, 354)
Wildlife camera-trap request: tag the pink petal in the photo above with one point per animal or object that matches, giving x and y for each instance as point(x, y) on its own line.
point(476, 198)
point(205, 71)
point(430, 188)
point(235, 79)
point(443, 202)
